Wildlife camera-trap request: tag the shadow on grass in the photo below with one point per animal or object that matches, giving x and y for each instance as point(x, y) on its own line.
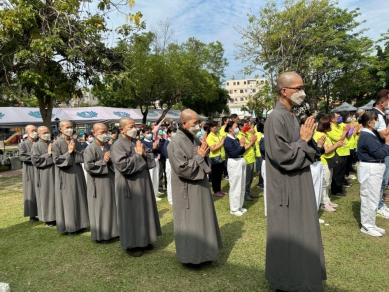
point(356, 208)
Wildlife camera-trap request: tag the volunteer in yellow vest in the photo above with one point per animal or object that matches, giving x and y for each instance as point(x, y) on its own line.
point(347, 120)
point(225, 121)
point(339, 133)
point(249, 156)
point(323, 127)
point(258, 158)
point(217, 155)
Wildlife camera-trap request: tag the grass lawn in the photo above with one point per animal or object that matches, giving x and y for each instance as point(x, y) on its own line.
point(36, 258)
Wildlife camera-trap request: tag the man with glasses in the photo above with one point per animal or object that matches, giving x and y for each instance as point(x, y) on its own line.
point(294, 249)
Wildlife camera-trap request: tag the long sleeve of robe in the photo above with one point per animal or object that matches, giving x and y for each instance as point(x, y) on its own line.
point(137, 212)
point(101, 193)
point(294, 249)
point(44, 181)
point(29, 192)
point(70, 187)
point(196, 229)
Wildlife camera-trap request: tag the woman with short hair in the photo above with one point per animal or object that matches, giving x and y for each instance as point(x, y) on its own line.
point(371, 168)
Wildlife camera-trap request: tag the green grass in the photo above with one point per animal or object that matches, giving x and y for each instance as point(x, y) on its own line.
point(36, 258)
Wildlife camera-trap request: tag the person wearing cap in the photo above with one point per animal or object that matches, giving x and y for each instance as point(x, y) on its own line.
point(29, 194)
point(249, 156)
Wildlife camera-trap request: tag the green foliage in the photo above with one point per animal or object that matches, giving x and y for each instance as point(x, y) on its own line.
point(261, 101)
point(188, 74)
point(317, 39)
point(49, 47)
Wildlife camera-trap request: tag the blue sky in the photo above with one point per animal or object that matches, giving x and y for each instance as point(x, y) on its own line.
point(211, 20)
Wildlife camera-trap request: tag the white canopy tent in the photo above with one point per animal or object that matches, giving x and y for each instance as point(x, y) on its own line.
point(22, 116)
point(344, 107)
point(368, 106)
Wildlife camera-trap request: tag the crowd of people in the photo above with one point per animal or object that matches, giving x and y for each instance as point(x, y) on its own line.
point(112, 181)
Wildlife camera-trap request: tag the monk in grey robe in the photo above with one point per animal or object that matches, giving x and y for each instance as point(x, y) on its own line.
point(196, 230)
point(44, 177)
point(137, 211)
point(70, 195)
point(294, 249)
point(101, 187)
point(29, 195)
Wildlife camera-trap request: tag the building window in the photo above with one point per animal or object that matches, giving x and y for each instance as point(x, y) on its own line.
point(262, 82)
point(254, 90)
point(234, 83)
point(238, 83)
point(244, 83)
point(241, 99)
point(235, 91)
point(241, 91)
point(245, 90)
point(230, 91)
point(236, 99)
point(245, 98)
point(228, 83)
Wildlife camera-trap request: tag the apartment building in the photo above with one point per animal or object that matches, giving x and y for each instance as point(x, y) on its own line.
point(240, 90)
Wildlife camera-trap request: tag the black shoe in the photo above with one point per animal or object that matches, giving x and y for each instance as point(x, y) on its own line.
point(347, 185)
point(135, 252)
point(82, 230)
point(260, 186)
point(342, 194)
point(192, 266)
point(149, 247)
point(33, 219)
point(254, 196)
point(248, 198)
point(102, 241)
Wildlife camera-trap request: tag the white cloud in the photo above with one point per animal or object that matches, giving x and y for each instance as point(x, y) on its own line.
point(211, 20)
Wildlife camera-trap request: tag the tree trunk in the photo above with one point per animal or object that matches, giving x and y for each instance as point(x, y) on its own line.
point(46, 111)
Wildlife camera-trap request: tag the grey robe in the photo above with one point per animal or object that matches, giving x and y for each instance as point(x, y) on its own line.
point(196, 230)
point(138, 219)
point(29, 195)
point(294, 249)
point(44, 181)
point(70, 196)
point(101, 193)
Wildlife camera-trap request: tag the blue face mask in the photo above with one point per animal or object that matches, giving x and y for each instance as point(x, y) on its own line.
point(340, 120)
point(377, 125)
point(90, 140)
point(160, 132)
point(149, 136)
point(142, 137)
point(236, 131)
point(174, 134)
point(199, 134)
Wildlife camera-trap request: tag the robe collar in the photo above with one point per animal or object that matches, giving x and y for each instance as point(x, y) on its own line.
point(187, 134)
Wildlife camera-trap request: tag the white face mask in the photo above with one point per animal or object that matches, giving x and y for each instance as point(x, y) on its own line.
point(33, 135)
point(194, 130)
point(68, 132)
point(298, 97)
point(377, 125)
point(45, 137)
point(102, 137)
point(132, 132)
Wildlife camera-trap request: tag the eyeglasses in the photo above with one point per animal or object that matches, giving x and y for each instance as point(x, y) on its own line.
point(299, 88)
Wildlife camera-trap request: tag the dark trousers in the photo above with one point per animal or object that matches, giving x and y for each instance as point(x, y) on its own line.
point(249, 177)
point(162, 174)
point(217, 172)
point(225, 172)
point(338, 175)
point(350, 160)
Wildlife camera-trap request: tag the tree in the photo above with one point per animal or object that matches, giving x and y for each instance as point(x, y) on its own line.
point(314, 38)
point(49, 47)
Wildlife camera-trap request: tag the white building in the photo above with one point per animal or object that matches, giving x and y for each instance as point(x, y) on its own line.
point(240, 90)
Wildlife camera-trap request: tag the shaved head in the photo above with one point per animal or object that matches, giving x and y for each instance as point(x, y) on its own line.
point(43, 129)
point(63, 123)
point(287, 79)
point(30, 128)
point(187, 115)
point(98, 126)
point(124, 121)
